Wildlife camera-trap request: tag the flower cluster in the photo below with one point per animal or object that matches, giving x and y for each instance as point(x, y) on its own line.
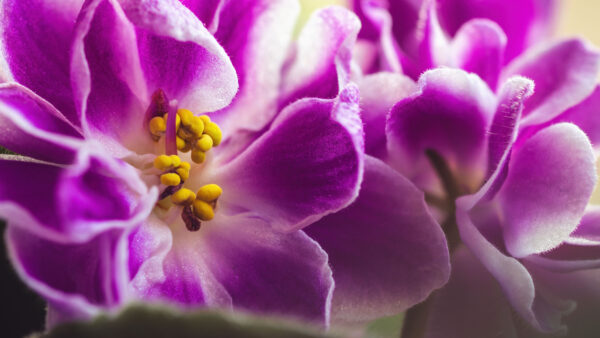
point(200, 154)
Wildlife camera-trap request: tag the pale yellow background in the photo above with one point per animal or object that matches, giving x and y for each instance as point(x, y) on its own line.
point(580, 17)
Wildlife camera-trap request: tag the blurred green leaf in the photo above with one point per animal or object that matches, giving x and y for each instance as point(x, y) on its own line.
point(154, 322)
point(386, 327)
point(6, 151)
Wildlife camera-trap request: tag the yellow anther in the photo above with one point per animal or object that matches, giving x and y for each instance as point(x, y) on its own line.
point(198, 156)
point(170, 179)
point(203, 210)
point(204, 143)
point(157, 126)
point(183, 196)
point(196, 126)
point(180, 143)
point(185, 134)
point(186, 116)
point(212, 129)
point(185, 166)
point(204, 118)
point(177, 120)
point(163, 162)
point(175, 160)
point(183, 173)
point(209, 193)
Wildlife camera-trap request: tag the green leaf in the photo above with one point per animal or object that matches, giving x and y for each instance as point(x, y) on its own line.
point(154, 322)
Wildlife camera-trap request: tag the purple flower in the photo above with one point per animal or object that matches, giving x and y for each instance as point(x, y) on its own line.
point(477, 36)
point(100, 125)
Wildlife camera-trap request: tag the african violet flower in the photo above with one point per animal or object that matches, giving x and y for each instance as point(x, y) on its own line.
point(95, 236)
point(477, 36)
point(227, 230)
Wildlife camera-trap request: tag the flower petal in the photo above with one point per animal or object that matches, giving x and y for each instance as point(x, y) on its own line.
point(206, 10)
point(378, 94)
point(270, 272)
point(379, 245)
point(33, 127)
point(564, 73)
point(79, 278)
point(450, 115)
point(320, 66)
point(483, 309)
point(585, 117)
point(35, 60)
point(39, 198)
point(550, 181)
point(478, 47)
point(307, 165)
point(257, 36)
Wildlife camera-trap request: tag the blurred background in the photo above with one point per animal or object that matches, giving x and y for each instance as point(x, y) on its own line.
point(22, 312)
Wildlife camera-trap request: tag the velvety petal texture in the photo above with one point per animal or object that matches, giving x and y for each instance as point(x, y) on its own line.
point(36, 39)
point(307, 165)
point(386, 250)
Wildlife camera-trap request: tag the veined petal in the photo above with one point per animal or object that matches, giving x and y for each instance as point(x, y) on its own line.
point(31, 126)
point(270, 272)
point(320, 65)
point(307, 165)
point(550, 181)
point(36, 38)
point(379, 245)
point(564, 73)
point(39, 197)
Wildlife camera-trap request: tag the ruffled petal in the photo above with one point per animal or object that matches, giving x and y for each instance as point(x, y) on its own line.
point(550, 181)
point(78, 278)
point(379, 245)
point(450, 114)
point(39, 197)
point(564, 73)
point(483, 308)
point(320, 65)
point(585, 116)
point(378, 94)
point(269, 272)
point(36, 37)
point(525, 22)
point(478, 47)
point(31, 126)
point(257, 36)
point(307, 165)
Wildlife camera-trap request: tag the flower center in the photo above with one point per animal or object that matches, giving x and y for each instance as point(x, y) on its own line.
point(184, 133)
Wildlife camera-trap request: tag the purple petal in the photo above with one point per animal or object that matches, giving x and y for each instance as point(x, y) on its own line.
point(379, 245)
point(503, 131)
point(550, 181)
point(378, 93)
point(37, 36)
point(79, 278)
point(257, 36)
point(450, 114)
point(320, 66)
point(307, 165)
point(39, 198)
point(525, 22)
point(585, 116)
point(33, 127)
point(564, 73)
point(269, 272)
point(206, 10)
point(478, 47)
point(589, 227)
point(483, 308)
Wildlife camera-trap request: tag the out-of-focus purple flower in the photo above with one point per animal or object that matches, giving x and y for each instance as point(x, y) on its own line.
point(477, 36)
point(85, 229)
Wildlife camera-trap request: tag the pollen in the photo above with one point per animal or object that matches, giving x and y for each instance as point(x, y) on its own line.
point(212, 129)
point(198, 156)
point(170, 179)
point(157, 126)
point(209, 193)
point(183, 196)
point(204, 143)
point(203, 210)
point(163, 162)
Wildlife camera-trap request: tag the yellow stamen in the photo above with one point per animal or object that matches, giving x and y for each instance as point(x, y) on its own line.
point(177, 120)
point(203, 210)
point(183, 173)
point(209, 193)
point(204, 118)
point(204, 143)
point(212, 129)
point(196, 126)
point(181, 145)
point(176, 160)
point(163, 162)
point(185, 134)
point(186, 116)
point(183, 196)
point(170, 179)
point(198, 156)
point(185, 166)
point(157, 126)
